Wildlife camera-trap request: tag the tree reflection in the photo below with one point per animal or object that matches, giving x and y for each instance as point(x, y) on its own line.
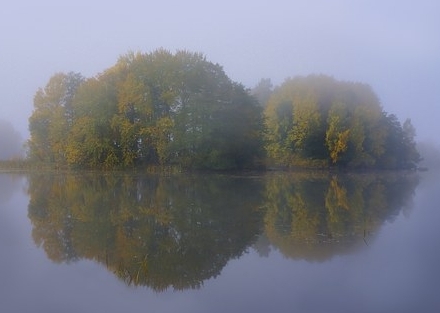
point(178, 231)
point(315, 216)
point(156, 231)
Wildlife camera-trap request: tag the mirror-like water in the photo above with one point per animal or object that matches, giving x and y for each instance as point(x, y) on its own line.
point(280, 242)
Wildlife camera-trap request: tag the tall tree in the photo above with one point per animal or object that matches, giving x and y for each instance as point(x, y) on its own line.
point(52, 117)
point(337, 134)
point(412, 156)
point(91, 141)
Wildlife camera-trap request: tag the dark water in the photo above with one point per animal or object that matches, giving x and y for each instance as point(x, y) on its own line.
point(218, 243)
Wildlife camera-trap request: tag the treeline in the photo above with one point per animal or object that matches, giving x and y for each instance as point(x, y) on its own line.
point(181, 110)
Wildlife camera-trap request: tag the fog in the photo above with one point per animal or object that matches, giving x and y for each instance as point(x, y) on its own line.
point(391, 45)
point(11, 145)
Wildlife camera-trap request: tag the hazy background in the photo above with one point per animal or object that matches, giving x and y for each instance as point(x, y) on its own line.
point(392, 45)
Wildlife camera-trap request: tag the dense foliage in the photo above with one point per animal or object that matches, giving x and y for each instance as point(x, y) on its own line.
point(318, 121)
point(181, 110)
point(148, 109)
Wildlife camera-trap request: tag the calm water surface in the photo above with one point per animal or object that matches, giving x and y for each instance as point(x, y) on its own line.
point(280, 242)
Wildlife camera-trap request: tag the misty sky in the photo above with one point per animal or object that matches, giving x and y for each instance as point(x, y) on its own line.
point(392, 45)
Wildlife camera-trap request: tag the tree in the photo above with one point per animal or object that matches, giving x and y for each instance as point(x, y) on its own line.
point(91, 141)
point(262, 91)
point(187, 112)
point(337, 134)
point(296, 115)
point(52, 118)
point(318, 121)
point(401, 151)
point(180, 109)
point(412, 156)
point(10, 141)
point(157, 108)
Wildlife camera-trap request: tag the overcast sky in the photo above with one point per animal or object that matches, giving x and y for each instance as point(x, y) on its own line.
point(393, 45)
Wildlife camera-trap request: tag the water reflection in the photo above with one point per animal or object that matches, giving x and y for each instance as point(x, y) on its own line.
point(315, 216)
point(181, 230)
point(9, 184)
point(155, 231)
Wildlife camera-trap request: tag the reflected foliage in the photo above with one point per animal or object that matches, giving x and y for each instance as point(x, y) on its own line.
point(315, 216)
point(155, 231)
point(177, 231)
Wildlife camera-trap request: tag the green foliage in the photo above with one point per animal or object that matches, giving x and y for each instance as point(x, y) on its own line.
point(149, 109)
point(319, 121)
point(401, 149)
point(164, 109)
point(52, 118)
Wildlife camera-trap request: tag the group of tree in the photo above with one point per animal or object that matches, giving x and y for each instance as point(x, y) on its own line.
point(181, 110)
point(148, 109)
point(319, 121)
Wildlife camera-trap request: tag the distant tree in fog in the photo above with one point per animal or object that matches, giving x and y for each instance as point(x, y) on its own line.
point(262, 91)
point(319, 121)
point(430, 154)
point(10, 141)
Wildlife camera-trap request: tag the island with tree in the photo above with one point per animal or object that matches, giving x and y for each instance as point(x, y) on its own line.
point(181, 110)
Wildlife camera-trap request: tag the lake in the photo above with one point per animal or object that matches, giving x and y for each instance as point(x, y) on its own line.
point(273, 242)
